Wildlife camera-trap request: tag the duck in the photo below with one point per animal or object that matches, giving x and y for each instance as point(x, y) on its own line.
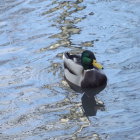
point(83, 73)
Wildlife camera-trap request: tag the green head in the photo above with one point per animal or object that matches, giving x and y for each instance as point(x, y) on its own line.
point(88, 60)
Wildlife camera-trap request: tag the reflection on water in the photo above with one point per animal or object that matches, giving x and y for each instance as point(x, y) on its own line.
point(64, 22)
point(35, 101)
point(91, 105)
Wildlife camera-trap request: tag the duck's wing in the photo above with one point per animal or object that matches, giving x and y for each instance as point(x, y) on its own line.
point(72, 78)
point(71, 64)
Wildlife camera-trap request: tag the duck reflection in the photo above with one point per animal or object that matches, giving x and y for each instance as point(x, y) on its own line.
point(91, 105)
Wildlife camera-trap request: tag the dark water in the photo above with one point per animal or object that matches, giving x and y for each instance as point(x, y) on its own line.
point(35, 101)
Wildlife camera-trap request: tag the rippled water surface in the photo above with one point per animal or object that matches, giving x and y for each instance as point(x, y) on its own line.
point(35, 101)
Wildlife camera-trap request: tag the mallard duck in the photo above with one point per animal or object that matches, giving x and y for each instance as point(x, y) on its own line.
point(83, 73)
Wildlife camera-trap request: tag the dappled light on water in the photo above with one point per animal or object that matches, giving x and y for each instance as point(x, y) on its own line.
point(35, 100)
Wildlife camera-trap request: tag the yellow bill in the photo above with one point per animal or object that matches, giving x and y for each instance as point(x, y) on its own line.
point(97, 65)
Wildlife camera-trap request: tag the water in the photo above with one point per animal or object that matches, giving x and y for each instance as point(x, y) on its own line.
point(35, 101)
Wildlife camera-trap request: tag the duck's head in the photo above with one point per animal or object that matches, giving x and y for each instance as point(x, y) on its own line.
point(88, 60)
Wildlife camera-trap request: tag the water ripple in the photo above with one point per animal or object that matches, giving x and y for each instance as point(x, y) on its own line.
point(35, 101)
